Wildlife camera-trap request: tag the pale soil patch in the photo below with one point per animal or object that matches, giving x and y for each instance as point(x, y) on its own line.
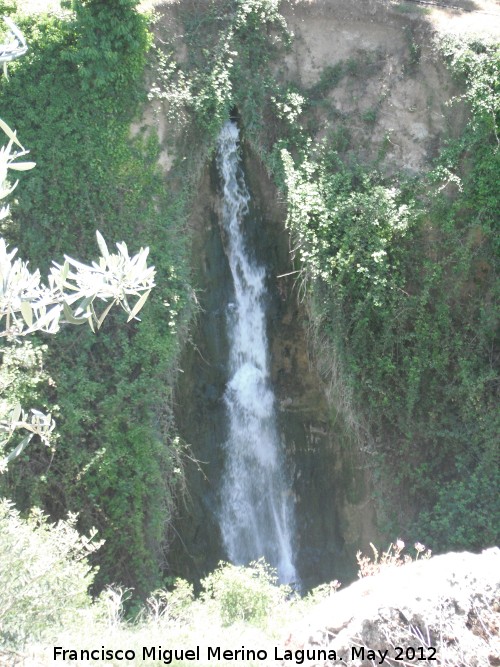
point(483, 19)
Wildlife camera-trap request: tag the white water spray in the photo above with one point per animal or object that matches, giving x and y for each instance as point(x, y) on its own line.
point(256, 516)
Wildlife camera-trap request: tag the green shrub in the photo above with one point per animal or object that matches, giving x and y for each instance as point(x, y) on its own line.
point(44, 575)
point(243, 593)
point(112, 39)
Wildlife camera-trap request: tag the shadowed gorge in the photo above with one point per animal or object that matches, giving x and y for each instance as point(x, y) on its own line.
point(340, 502)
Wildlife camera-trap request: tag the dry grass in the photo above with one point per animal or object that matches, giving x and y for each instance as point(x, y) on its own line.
point(393, 557)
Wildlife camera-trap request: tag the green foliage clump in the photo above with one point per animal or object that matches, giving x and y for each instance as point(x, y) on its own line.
point(23, 379)
point(249, 33)
point(246, 594)
point(347, 227)
point(466, 512)
point(112, 39)
point(8, 7)
point(173, 605)
point(22, 372)
point(44, 576)
point(330, 76)
point(476, 63)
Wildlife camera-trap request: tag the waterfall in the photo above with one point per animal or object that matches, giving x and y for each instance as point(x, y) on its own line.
point(256, 514)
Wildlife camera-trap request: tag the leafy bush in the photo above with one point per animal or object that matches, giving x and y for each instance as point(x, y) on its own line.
point(112, 39)
point(164, 606)
point(246, 594)
point(44, 575)
point(347, 227)
point(231, 45)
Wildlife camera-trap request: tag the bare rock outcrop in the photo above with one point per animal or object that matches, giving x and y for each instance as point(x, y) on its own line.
point(442, 611)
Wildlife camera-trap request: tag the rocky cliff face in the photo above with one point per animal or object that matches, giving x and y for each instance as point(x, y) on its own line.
point(390, 115)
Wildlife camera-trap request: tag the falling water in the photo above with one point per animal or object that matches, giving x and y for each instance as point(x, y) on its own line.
point(256, 515)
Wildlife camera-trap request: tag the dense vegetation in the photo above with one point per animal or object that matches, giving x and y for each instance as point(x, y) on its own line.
point(402, 281)
point(72, 102)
